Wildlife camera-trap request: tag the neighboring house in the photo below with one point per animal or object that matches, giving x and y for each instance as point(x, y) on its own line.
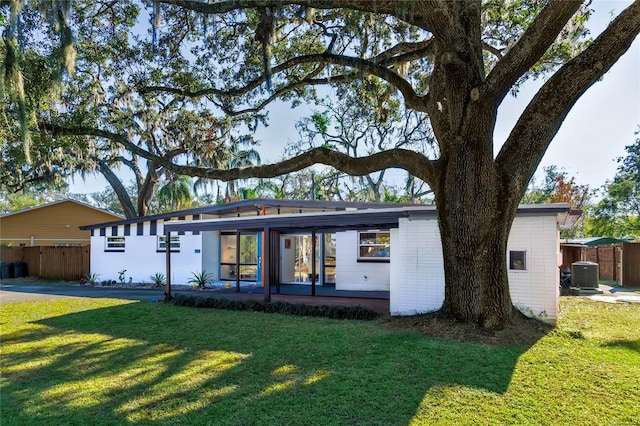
point(53, 224)
point(350, 246)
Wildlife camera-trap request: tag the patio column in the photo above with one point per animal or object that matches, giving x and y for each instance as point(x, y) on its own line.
point(266, 240)
point(167, 245)
point(313, 263)
point(237, 261)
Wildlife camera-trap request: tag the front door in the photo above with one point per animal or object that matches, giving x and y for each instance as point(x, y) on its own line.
point(243, 261)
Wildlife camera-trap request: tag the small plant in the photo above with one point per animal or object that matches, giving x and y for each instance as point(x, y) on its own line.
point(157, 279)
point(91, 279)
point(201, 279)
point(121, 276)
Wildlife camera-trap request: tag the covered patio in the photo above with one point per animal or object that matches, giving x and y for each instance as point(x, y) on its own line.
point(272, 226)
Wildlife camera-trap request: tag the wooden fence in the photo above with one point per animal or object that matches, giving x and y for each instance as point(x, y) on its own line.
point(54, 263)
point(616, 262)
point(610, 260)
point(631, 265)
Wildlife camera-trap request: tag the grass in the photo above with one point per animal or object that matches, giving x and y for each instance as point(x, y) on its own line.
point(105, 361)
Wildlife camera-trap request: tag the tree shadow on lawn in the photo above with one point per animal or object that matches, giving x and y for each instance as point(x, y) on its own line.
point(632, 345)
point(166, 364)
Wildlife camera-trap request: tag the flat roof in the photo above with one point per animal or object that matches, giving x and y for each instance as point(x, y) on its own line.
point(379, 218)
point(255, 205)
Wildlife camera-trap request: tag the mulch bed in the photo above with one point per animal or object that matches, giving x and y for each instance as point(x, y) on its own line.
point(522, 332)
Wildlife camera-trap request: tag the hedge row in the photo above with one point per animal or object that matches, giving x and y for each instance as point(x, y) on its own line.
point(334, 312)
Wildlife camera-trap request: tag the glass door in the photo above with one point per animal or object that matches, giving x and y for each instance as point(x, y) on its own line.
point(296, 259)
point(329, 258)
point(247, 266)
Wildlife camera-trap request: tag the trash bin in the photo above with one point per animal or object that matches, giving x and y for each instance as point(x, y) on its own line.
point(19, 269)
point(4, 269)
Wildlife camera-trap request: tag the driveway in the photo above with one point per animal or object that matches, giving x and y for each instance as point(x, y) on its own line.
point(617, 295)
point(22, 290)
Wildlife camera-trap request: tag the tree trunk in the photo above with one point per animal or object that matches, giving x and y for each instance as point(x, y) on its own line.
point(118, 188)
point(145, 192)
point(475, 213)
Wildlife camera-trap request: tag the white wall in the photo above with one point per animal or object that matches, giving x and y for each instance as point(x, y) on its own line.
point(417, 280)
point(417, 285)
point(211, 253)
point(141, 259)
point(360, 276)
point(535, 291)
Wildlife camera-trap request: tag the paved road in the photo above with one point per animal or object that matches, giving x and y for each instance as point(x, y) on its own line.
point(18, 292)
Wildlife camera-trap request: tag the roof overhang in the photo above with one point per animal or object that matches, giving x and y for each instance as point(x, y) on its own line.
point(320, 221)
point(331, 221)
point(253, 207)
point(569, 218)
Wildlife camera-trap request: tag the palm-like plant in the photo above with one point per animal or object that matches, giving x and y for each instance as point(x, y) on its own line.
point(237, 152)
point(157, 279)
point(201, 278)
point(176, 193)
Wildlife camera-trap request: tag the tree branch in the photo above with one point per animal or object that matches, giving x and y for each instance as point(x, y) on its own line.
point(411, 161)
point(533, 44)
point(427, 14)
point(412, 99)
point(494, 51)
point(539, 123)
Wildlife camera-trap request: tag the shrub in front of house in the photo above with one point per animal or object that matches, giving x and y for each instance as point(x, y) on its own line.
point(333, 312)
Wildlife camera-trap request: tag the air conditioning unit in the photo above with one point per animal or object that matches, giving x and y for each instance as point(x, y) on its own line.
point(585, 274)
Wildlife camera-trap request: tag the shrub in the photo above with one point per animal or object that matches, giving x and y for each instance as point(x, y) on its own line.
point(91, 279)
point(200, 278)
point(300, 309)
point(158, 279)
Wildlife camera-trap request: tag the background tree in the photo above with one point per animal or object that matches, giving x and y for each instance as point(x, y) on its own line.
point(175, 194)
point(557, 187)
point(369, 118)
point(234, 152)
point(13, 201)
point(91, 110)
point(618, 213)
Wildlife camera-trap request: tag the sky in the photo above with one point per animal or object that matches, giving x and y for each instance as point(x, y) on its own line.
point(593, 135)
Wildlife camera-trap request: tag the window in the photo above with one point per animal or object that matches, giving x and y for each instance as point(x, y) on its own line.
point(162, 244)
point(374, 246)
point(114, 244)
point(518, 260)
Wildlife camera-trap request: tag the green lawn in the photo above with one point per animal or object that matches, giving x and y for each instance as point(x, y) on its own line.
point(102, 361)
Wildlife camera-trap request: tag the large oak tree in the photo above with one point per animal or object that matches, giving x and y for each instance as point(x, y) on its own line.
point(453, 60)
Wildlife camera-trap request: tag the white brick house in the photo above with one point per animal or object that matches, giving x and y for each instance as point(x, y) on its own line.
point(360, 247)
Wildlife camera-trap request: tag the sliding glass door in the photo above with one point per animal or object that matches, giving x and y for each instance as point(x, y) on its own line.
point(296, 257)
